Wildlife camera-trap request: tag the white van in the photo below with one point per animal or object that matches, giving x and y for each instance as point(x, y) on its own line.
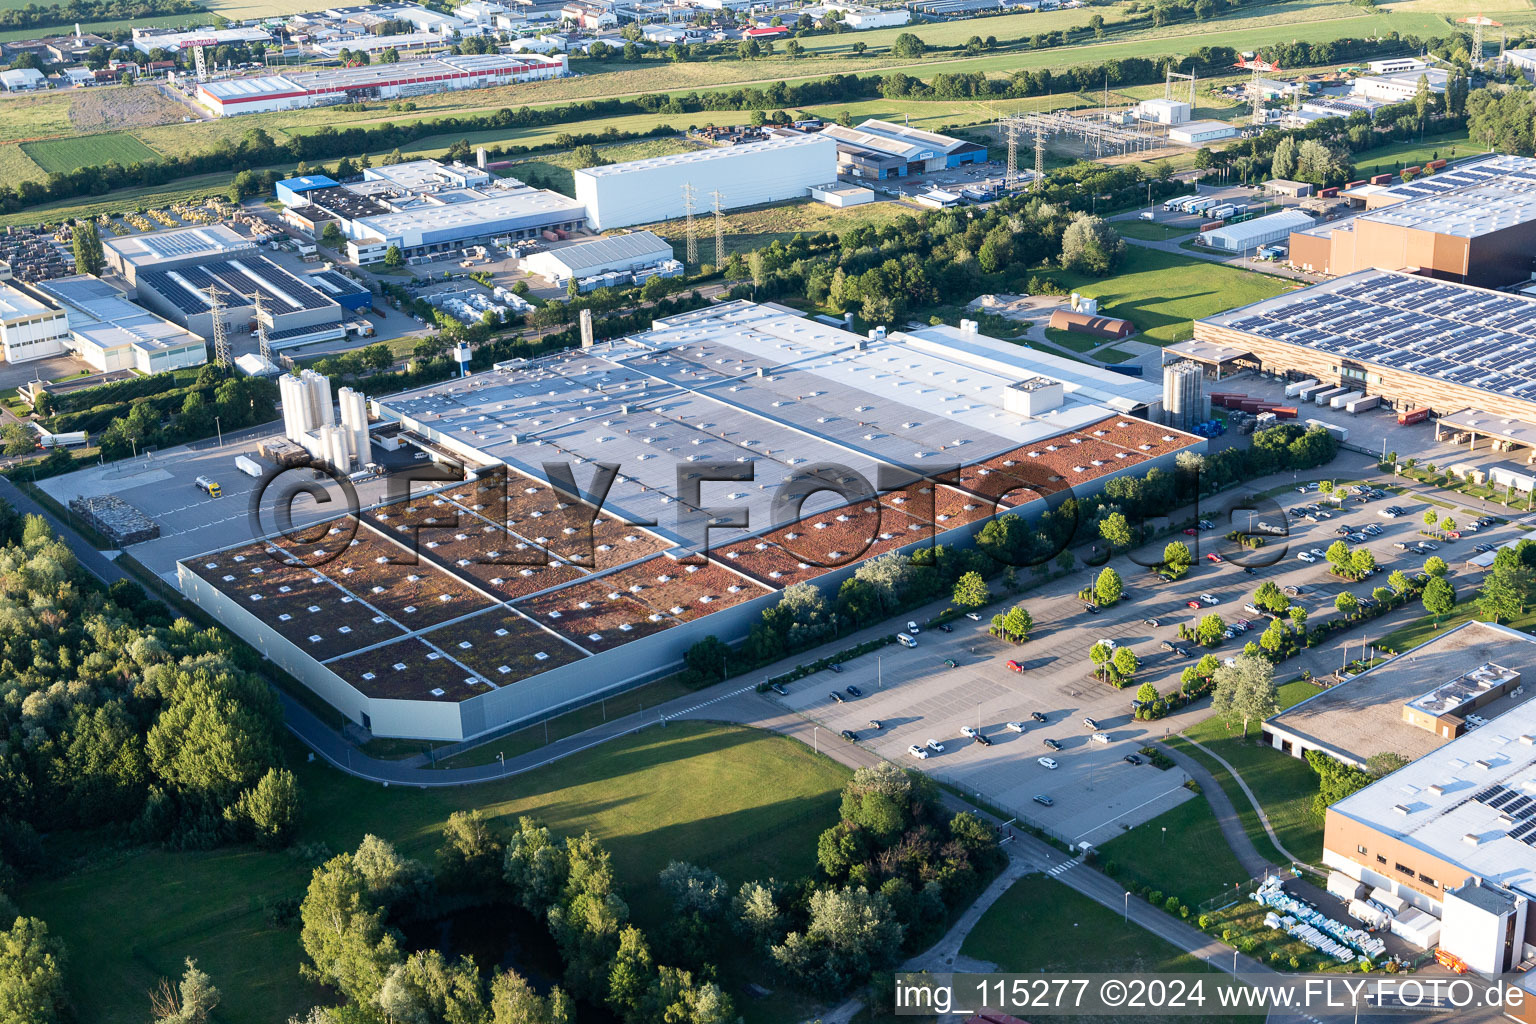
point(905, 640)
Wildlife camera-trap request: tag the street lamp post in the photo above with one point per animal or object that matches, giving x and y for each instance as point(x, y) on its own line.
point(503, 761)
point(816, 738)
point(1127, 907)
point(220, 428)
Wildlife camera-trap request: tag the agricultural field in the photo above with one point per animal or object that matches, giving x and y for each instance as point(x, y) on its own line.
point(1006, 27)
point(1162, 292)
point(63, 155)
point(692, 788)
point(16, 166)
point(114, 107)
point(38, 116)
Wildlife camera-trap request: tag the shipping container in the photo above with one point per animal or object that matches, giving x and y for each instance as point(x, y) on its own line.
point(1339, 433)
point(1129, 369)
point(1212, 225)
point(1340, 401)
point(249, 466)
point(1354, 184)
point(1329, 193)
point(1292, 390)
point(1411, 170)
point(1381, 179)
point(1284, 412)
point(1413, 416)
point(1435, 165)
point(1363, 404)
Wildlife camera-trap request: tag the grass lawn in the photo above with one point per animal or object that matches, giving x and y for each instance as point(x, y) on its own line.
point(1149, 230)
point(690, 789)
point(1113, 355)
point(1191, 860)
point(65, 155)
point(1072, 341)
point(1076, 935)
point(757, 226)
point(1162, 292)
point(1283, 784)
point(1386, 159)
point(568, 724)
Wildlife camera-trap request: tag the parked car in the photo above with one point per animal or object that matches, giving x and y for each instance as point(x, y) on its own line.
point(778, 688)
point(1189, 531)
point(1015, 726)
point(951, 663)
point(945, 627)
point(1131, 759)
point(1048, 762)
point(1483, 549)
point(1209, 599)
point(1306, 556)
point(1206, 524)
point(1428, 545)
point(1013, 666)
point(1091, 609)
point(1100, 737)
point(969, 731)
point(917, 752)
point(837, 697)
point(973, 616)
point(854, 691)
point(876, 724)
point(1150, 622)
point(981, 738)
point(1214, 557)
point(1192, 603)
point(835, 667)
point(1090, 723)
point(1341, 530)
point(1053, 744)
point(1043, 800)
point(912, 627)
point(850, 735)
point(935, 746)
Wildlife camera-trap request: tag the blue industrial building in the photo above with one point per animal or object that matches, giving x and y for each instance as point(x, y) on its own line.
point(289, 189)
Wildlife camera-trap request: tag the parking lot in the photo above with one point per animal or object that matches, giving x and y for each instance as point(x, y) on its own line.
point(1095, 793)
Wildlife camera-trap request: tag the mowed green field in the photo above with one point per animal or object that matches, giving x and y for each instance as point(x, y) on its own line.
point(1040, 925)
point(1160, 293)
point(64, 155)
point(745, 803)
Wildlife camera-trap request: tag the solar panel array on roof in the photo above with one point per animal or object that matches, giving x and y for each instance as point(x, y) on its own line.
point(1468, 336)
point(236, 280)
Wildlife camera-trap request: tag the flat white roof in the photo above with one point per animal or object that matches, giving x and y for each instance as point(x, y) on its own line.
point(16, 304)
point(705, 155)
point(1471, 802)
point(431, 217)
point(156, 247)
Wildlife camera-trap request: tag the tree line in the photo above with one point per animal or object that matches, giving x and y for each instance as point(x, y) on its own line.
point(42, 15)
point(116, 717)
point(257, 149)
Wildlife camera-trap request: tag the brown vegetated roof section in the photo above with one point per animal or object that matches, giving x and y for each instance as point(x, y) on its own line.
point(503, 646)
point(610, 614)
point(685, 591)
point(407, 670)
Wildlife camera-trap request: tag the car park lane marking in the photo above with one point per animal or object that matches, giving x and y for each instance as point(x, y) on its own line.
point(716, 700)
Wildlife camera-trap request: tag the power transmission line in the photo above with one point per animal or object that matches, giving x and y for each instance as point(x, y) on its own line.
point(689, 196)
point(719, 228)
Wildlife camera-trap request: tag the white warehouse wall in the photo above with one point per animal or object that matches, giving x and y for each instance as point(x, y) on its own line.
point(645, 191)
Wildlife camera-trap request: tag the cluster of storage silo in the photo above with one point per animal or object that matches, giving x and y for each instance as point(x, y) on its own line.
point(309, 418)
point(1184, 402)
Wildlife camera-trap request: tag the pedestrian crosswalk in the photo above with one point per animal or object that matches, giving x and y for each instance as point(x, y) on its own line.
point(707, 703)
point(1063, 867)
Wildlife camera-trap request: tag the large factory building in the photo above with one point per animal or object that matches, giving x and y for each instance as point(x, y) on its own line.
point(300, 89)
point(424, 208)
point(1474, 223)
point(646, 191)
point(490, 602)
